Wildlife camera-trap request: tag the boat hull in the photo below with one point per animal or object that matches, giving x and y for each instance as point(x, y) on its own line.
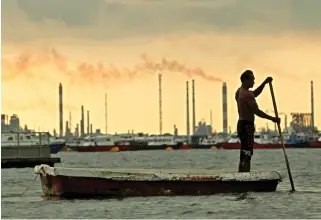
point(73, 183)
point(73, 187)
point(55, 148)
point(315, 144)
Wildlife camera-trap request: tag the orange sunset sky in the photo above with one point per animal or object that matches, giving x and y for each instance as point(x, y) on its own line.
point(113, 46)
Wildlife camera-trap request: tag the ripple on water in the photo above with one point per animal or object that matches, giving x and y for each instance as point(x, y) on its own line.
point(304, 203)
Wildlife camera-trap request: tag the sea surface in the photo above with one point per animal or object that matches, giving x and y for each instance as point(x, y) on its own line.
point(304, 203)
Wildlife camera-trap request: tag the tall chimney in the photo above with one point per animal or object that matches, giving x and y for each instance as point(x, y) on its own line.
point(70, 125)
point(77, 130)
point(105, 113)
point(82, 123)
point(160, 103)
point(187, 111)
point(193, 103)
point(312, 107)
point(88, 125)
point(91, 128)
point(61, 132)
point(67, 129)
point(224, 91)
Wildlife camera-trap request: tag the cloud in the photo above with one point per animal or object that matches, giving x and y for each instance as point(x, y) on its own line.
point(101, 20)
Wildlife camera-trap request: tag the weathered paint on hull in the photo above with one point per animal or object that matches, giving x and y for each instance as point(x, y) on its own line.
point(71, 187)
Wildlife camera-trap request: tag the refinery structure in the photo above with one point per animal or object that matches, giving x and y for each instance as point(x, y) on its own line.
point(301, 122)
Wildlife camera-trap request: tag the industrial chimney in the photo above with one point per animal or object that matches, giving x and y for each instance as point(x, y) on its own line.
point(106, 113)
point(77, 130)
point(160, 103)
point(193, 103)
point(88, 125)
point(70, 126)
point(224, 92)
point(91, 128)
point(82, 122)
point(61, 132)
point(67, 129)
point(312, 107)
point(187, 111)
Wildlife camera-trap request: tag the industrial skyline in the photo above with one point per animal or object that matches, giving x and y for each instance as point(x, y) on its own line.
point(304, 118)
point(188, 133)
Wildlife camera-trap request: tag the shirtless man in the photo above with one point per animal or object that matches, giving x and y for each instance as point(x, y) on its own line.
point(247, 108)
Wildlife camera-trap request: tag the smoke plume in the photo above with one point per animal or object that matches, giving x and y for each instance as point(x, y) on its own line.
point(23, 64)
point(175, 66)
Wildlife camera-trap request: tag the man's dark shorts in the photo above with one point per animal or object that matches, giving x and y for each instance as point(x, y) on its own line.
point(245, 131)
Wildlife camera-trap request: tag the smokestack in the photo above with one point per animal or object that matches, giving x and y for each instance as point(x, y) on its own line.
point(77, 130)
point(224, 91)
point(61, 132)
point(67, 129)
point(91, 128)
point(70, 126)
point(187, 111)
point(312, 107)
point(193, 103)
point(160, 103)
point(88, 125)
point(106, 113)
point(82, 123)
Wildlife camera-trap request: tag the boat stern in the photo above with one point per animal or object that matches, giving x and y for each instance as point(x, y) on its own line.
point(51, 185)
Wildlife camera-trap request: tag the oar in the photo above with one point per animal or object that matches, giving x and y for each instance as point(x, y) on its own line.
point(281, 135)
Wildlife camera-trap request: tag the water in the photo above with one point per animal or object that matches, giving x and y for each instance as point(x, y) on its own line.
point(304, 203)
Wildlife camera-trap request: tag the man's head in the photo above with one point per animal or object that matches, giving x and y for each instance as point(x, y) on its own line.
point(247, 79)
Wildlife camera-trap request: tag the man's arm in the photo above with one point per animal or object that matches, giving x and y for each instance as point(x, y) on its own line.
point(259, 89)
point(255, 108)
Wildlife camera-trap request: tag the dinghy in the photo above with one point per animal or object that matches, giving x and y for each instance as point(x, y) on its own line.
point(93, 182)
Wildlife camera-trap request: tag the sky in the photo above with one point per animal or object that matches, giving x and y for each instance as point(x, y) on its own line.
point(117, 47)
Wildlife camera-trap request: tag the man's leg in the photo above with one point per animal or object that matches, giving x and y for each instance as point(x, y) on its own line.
point(245, 161)
point(247, 139)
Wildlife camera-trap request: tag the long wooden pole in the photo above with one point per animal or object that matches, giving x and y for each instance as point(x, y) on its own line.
point(281, 135)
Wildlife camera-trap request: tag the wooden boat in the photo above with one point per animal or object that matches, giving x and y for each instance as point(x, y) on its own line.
point(86, 182)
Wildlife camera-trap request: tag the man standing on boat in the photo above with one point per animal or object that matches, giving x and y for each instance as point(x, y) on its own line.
point(247, 109)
